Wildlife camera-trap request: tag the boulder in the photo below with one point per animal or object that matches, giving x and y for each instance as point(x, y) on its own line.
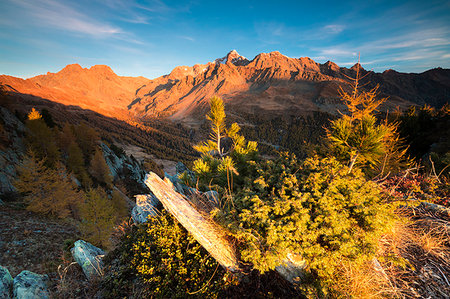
point(146, 205)
point(89, 258)
point(292, 268)
point(180, 168)
point(6, 282)
point(29, 285)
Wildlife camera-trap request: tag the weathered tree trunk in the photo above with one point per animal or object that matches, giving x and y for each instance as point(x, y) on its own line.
point(208, 233)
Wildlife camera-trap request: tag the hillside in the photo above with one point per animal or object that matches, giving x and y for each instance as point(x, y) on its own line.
point(97, 88)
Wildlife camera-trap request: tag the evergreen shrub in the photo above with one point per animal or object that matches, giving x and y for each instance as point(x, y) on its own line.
point(162, 260)
point(314, 208)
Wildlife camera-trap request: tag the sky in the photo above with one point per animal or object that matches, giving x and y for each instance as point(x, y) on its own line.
point(150, 38)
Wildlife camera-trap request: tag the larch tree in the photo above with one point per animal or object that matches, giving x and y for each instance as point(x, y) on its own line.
point(98, 217)
point(41, 139)
point(47, 191)
point(356, 137)
point(99, 169)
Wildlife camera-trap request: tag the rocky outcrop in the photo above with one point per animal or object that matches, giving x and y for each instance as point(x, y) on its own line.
point(123, 166)
point(10, 154)
point(89, 258)
point(6, 282)
point(146, 205)
point(29, 285)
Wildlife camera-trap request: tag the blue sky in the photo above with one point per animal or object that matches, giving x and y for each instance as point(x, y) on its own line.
point(150, 38)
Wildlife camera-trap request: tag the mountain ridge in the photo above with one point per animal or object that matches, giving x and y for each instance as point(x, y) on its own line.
point(270, 83)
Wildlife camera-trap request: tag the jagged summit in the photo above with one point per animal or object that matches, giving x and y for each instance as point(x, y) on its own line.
point(76, 68)
point(234, 58)
point(356, 66)
point(101, 68)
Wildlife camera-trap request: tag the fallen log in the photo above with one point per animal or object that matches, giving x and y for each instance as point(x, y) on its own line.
point(208, 233)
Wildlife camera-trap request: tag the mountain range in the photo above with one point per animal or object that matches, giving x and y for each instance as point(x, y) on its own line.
point(270, 83)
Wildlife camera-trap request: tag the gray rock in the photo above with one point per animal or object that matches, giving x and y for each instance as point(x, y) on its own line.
point(145, 206)
point(213, 197)
point(6, 282)
point(89, 258)
point(181, 168)
point(292, 268)
point(12, 155)
point(5, 184)
point(178, 185)
point(123, 166)
point(29, 285)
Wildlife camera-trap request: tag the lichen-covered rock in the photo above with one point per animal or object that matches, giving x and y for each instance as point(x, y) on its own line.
point(29, 285)
point(181, 168)
point(89, 258)
point(146, 205)
point(5, 283)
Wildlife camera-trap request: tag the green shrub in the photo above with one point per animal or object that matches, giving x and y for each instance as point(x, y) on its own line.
point(314, 208)
point(166, 261)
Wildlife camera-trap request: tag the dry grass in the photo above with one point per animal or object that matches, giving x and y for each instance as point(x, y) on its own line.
point(413, 260)
point(423, 242)
point(73, 283)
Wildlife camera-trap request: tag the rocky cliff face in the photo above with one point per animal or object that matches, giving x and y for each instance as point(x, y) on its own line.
point(11, 149)
point(270, 83)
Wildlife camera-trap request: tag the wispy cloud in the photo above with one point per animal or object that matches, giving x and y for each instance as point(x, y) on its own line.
point(334, 28)
point(54, 14)
point(189, 38)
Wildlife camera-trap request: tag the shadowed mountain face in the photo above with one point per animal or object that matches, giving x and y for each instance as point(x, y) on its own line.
point(271, 84)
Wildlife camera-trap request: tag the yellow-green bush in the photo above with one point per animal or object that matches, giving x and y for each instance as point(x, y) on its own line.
point(314, 208)
point(167, 262)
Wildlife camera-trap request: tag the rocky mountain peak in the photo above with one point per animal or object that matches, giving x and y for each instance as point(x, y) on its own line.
point(102, 69)
point(356, 66)
point(234, 58)
point(71, 68)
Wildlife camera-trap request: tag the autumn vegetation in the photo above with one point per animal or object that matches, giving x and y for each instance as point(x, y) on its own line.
point(65, 175)
point(344, 199)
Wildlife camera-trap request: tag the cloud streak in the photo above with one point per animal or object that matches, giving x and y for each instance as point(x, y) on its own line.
point(53, 14)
